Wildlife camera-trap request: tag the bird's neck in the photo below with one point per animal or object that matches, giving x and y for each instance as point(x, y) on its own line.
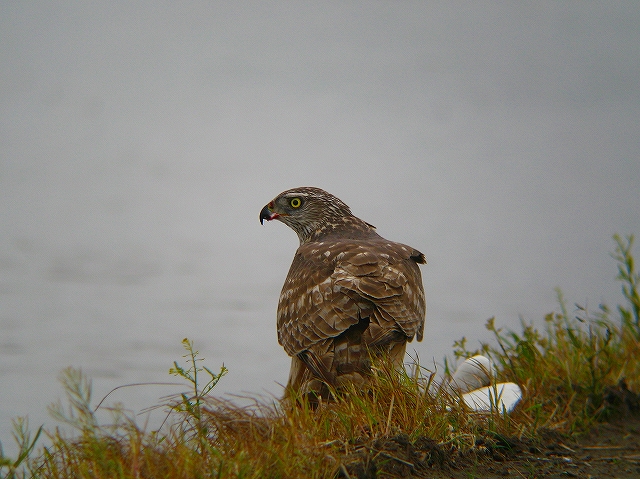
point(347, 227)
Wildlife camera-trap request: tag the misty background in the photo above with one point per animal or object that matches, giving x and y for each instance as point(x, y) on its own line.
point(139, 141)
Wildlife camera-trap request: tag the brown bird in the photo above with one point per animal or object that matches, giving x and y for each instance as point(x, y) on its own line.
point(349, 293)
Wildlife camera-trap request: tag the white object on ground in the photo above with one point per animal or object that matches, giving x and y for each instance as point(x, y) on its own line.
point(472, 374)
point(501, 397)
point(472, 380)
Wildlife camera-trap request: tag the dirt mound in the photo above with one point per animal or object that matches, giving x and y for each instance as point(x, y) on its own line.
point(609, 450)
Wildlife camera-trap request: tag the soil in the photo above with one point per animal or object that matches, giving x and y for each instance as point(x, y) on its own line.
point(610, 450)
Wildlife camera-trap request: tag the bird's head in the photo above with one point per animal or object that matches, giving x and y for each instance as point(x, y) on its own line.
point(306, 210)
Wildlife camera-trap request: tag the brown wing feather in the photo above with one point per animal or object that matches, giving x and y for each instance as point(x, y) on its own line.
point(332, 285)
point(311, 309)
point(385, 274)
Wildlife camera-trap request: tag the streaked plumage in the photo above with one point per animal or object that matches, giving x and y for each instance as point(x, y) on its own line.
point(349, 292)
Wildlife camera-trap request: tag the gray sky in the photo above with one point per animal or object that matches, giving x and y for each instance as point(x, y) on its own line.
point(139, 141)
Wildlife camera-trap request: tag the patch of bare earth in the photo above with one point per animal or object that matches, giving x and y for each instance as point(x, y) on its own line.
point(609, 450)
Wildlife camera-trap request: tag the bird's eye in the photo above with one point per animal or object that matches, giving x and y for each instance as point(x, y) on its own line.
point(295, 202)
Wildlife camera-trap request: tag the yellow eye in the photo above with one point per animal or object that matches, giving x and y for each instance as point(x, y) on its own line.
point(295, 202)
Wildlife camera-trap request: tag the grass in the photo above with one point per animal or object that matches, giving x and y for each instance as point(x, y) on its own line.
point(565, 370)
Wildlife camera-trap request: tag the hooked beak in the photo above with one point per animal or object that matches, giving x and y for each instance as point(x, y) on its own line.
point(267, 214)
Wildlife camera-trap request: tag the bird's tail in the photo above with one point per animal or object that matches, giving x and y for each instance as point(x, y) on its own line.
point(351, 361)
point(331, 365)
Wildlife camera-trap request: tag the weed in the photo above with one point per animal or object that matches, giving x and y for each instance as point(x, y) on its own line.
point(630, 280)
point(26, 445)
point(191, 405)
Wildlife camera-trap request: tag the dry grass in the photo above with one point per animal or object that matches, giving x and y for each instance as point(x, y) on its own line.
point(263, 440)
point(404, 424)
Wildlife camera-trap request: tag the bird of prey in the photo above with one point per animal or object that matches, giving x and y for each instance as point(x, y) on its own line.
point(350, 294)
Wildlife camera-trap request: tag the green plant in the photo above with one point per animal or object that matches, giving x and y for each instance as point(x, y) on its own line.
point(9, 467)
point(630, 280)
point(191, 404)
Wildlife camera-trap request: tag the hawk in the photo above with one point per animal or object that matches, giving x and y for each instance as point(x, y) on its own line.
point(350, 294)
